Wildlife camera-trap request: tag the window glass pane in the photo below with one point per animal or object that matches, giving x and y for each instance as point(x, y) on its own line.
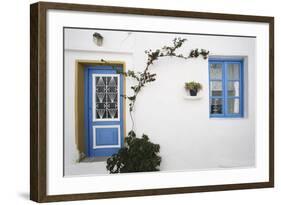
point(216, 106)
point(216, 88)
point(216, 71)
point(233, 106)
point(233, 71)
point(106, 97)
point(233, 88)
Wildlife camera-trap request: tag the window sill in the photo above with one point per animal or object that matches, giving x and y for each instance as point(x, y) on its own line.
point(227, 117)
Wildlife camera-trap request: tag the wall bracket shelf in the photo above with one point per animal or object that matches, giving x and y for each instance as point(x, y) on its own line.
point(188, 97)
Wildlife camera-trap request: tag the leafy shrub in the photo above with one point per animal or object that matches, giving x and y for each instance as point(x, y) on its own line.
point(137, 155)
point(193, 86)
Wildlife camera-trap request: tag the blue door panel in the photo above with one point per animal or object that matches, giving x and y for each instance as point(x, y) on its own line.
point(105, 136)
point(105, 152)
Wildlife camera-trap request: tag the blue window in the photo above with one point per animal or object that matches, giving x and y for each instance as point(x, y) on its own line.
point(226, 88)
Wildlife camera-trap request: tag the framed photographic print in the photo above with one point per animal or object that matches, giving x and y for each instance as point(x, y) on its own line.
point(134, 102)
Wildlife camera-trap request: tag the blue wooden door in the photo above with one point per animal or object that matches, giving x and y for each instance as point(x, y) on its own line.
point(104, 110)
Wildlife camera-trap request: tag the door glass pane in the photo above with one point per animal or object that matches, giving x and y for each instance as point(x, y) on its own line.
point(216, 88)
point(216, 71)
point(233, 71)
point(106, 97)
point(233, 88)
point(216, 106)
point(233, 106)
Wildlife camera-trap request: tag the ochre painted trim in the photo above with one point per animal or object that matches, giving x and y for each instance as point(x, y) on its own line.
point(79, 98)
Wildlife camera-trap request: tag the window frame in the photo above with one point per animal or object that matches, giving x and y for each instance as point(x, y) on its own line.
point(225, 81)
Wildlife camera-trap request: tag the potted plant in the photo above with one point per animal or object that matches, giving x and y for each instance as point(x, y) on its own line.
point(193, 87)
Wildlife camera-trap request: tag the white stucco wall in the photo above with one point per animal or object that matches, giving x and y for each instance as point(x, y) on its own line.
point(188, 137)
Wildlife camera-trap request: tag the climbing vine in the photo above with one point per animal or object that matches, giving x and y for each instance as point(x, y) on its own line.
point(144, 77)
point(140, 154)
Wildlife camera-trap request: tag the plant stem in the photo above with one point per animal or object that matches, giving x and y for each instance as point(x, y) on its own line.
point(145, 77)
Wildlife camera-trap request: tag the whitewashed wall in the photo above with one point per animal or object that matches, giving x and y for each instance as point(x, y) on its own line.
point(188, 137)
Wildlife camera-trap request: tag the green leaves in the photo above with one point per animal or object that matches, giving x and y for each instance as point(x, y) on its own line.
point(132, 98)
point(131, 73)
point(193, 85)
point(195, 53)
point(138, 155)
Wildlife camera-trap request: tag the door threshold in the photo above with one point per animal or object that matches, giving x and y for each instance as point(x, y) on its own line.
point(94, 159)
